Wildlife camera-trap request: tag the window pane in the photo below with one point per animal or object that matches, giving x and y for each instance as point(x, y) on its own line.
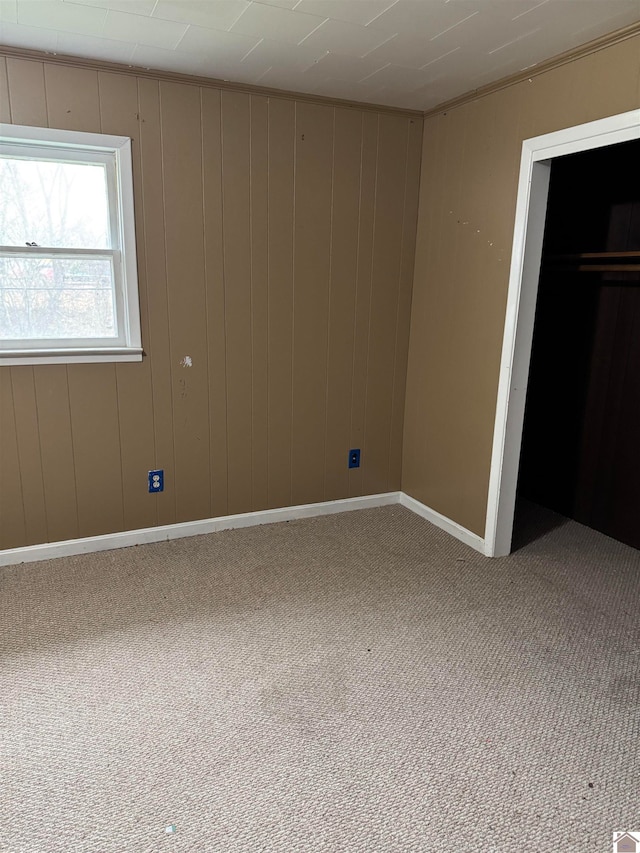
point(56, 298)
point(63, 205)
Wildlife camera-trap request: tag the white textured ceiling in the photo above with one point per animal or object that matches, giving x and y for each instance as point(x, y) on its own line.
point(405, 53)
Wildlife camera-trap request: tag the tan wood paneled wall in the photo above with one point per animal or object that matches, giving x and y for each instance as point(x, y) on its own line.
point(275, 248)
point(471, 158)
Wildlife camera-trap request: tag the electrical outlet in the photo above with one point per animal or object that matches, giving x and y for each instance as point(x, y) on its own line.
point(354, 458)
point(156, 481)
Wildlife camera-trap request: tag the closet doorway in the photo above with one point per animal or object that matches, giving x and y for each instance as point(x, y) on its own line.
point(579, 451)
point(581, 438)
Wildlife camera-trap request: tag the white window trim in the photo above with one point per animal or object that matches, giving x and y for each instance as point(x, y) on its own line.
point(97, 146)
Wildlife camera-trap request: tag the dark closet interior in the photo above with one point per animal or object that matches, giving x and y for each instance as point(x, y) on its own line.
point(581, 440)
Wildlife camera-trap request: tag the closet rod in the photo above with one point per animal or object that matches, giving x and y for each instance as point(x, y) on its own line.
point(588, 256)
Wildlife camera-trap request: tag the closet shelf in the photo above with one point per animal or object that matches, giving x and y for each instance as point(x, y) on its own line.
point(596, 262)
point(596, 256)
point(608, 267)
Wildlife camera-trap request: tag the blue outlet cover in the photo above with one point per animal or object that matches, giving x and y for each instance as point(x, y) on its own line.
point(156, 481)
point(354, 458)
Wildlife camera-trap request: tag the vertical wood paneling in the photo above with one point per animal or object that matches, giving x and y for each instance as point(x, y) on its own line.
point(392, 148)
point(280, 308)
point(615, 91)
point(415, 403)
point(342, 301)
point(72, 98)
point(12, 526)
point(451, 227)
point(29, 456)
point(611, 91)
point(237, 271)
point(368, 173)
point(229, 189)
point(28, 97)
point(542, 112)
point(214, 261)
point(259, 238)
point(119, 115)
point(182, 176)
point(96, 448)
point(314, 158)
point(157, 347)
point(56, 446)
point(452, 231)
point(470, 330)
point(5, 111)
point(411, 192)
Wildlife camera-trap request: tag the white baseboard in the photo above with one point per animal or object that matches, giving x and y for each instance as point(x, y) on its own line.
point(441, 521)
point(127, 538)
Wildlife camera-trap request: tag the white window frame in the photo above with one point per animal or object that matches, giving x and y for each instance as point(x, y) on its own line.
point(114, 152)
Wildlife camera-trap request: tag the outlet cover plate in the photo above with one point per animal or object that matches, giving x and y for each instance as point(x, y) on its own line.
point(156, 481)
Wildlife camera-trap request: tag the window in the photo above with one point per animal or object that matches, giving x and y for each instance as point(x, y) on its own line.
point(68, 279)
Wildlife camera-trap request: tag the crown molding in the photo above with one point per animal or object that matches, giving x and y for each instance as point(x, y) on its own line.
point(541, 68)
point(192, 79)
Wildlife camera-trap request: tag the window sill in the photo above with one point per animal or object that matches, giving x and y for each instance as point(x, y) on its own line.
point(76, 355)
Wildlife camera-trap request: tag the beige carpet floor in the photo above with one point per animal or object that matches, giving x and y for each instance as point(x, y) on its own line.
point(359, 683)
